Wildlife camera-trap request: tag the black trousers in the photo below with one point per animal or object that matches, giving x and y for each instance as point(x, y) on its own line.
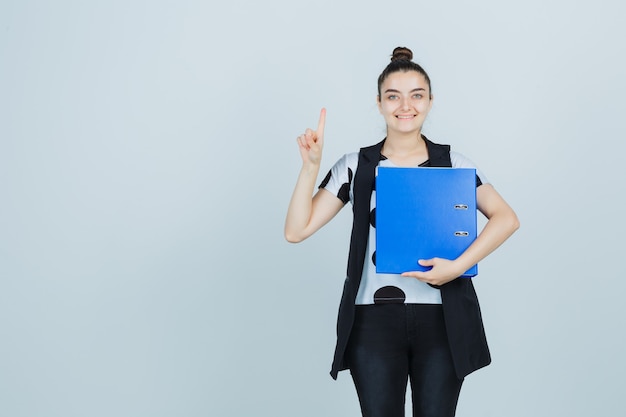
point(392, 344)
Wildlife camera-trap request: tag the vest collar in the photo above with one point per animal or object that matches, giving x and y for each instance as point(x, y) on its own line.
point(438, 155)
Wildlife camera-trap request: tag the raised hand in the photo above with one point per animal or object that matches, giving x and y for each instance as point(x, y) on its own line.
point(311, 142)
point(307, 213)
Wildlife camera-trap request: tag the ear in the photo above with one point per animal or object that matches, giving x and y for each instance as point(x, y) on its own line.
point(380, 110)
point(432, 98)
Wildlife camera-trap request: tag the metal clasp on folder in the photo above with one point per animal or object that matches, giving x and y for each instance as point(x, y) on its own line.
point(461, 233)
point(461, 207)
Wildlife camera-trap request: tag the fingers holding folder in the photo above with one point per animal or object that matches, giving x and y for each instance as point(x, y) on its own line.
point(442, 271)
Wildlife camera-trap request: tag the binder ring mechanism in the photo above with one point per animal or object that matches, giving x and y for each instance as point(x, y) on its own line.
point(461, 207)
point(461, 233)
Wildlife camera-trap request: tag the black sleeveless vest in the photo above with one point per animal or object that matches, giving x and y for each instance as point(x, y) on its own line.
point(460, 305)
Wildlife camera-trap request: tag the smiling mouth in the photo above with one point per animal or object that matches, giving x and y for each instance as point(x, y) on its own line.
point(406, 117)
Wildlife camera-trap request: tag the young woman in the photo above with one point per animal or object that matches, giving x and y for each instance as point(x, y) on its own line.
point(422, 327)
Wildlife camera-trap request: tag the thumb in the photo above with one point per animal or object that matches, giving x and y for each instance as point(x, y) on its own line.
point(426, 262)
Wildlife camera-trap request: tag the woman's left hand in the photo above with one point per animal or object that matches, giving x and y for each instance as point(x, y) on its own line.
point(502, 223)
point(442, 271)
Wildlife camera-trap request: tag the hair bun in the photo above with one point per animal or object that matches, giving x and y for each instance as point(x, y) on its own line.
point(401, 53)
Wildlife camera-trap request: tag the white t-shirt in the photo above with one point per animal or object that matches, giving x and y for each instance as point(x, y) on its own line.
point(384, 288)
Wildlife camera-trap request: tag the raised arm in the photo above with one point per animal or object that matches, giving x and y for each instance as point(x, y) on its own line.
point(502, 223)
point(307, 213)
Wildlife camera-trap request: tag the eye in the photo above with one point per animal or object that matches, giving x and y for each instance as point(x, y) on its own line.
point(418, 96)
point(392, 97)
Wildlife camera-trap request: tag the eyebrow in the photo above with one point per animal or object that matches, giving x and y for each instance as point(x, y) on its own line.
point(391, 90)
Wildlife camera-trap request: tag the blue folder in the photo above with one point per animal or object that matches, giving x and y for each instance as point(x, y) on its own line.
point(422, 213)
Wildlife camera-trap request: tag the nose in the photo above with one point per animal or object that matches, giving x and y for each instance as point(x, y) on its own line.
point(405, 103)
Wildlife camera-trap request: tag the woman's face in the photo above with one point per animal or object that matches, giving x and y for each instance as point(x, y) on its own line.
point(404, 101)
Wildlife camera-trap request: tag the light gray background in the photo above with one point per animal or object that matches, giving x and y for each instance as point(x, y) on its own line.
point(147, 156)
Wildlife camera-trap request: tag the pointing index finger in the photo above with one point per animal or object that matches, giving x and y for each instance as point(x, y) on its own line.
point(322, 123)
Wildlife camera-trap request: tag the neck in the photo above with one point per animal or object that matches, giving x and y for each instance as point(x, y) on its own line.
point(405, 150)
point(404, 143)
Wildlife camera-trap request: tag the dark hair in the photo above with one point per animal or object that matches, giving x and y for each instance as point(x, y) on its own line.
point(401, 61)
